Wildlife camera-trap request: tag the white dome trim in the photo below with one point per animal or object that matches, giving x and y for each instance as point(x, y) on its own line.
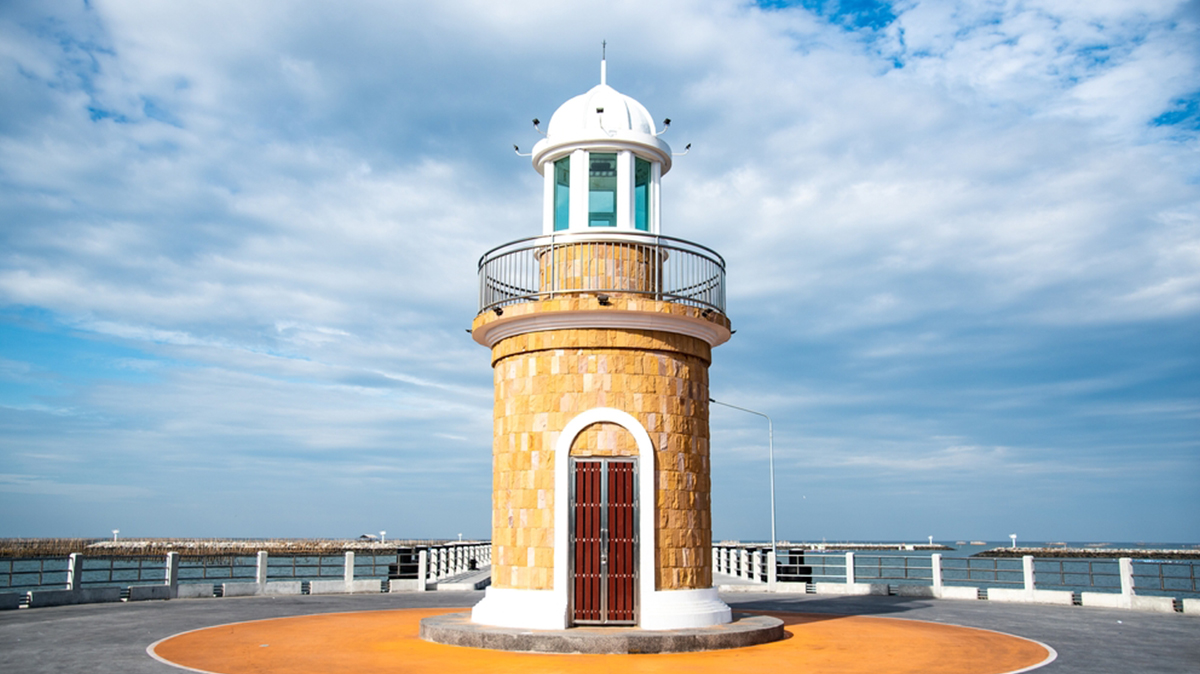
point(602, 118)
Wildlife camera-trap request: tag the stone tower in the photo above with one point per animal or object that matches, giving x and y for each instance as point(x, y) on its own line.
point(601, 331)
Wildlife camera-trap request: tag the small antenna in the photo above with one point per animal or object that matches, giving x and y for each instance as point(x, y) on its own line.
point(603, 62)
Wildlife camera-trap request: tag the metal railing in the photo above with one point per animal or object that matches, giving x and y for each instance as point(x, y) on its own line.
point(123, 571)
point(306, 567)
point(900, 568)
point(991, 570)
point(78, 571)
point(825, 568)
point(1075, 574)
point(896, 573)
point(661, 267)
point(1165, 577)
point(196, 569)
point(33, 572)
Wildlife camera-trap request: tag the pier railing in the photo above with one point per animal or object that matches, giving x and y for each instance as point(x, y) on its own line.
point(1162, 585)
point(659, 267)
point(78, 578)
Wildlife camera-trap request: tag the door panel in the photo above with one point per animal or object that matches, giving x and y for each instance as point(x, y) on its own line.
point(588, 539)
point(604, 541)
point(621, 563)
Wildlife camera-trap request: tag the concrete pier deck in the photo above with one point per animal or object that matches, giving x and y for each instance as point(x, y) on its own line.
point(114, 637)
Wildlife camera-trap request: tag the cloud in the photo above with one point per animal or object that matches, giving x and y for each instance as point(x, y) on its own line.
point(235, 241)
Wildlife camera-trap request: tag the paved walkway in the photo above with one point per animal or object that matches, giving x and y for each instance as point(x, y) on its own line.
point(114, 637)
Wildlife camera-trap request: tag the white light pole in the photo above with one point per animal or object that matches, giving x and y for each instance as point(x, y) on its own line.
point(460, 538)
point(382, 536)
point(1014, 540)
point(115, 532)
point(771, 463)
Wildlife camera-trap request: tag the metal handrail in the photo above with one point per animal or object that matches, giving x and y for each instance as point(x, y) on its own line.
point(1183, 577)
point(677, 270)
point(20, 570)
point(893, 567)
point(1078, 573)
point(124, 570)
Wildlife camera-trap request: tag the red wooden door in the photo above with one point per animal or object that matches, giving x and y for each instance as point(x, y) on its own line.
point(604, 542)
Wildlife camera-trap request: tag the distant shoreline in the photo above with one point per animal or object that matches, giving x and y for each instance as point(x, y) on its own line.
point(850, 547)
point(1101, 553)
point(60, 547)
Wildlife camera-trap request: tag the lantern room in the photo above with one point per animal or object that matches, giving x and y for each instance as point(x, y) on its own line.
point(602, 161)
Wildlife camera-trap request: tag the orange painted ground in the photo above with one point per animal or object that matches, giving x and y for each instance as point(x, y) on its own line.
point(386, 641)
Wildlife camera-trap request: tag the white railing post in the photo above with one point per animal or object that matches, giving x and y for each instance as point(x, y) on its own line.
point(1125, 564)
point(75, 571)
point(849, 568)
point(743, 563)
point(756, 565)
point(172, 575)
point(1027, 572)
point(260, 568)
point(348, 567)
point(772, 570)
point(935, 572)
point(422, 568)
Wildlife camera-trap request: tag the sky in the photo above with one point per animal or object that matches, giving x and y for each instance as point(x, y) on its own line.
point(238, 247)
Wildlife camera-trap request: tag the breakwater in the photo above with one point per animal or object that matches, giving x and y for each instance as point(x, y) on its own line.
point(1057, 552)
point(197, 547)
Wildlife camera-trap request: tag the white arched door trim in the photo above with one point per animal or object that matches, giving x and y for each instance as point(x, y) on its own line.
point(657, 610)
point(645, 506)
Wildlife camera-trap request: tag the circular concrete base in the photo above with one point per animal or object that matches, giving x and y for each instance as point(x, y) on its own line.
point(456, 629)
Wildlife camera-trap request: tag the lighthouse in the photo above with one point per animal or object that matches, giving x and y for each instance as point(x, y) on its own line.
point(601, 330)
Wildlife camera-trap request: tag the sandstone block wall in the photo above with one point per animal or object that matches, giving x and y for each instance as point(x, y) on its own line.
point(600, 265)
point(543, 380)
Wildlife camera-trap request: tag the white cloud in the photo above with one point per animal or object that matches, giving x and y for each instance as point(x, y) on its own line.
point(276, 215)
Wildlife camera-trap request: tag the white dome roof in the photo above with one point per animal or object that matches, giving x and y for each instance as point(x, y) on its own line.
point(582, 115)
point(603, 119)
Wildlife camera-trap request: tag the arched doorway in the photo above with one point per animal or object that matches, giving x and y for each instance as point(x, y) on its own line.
point(604, 462)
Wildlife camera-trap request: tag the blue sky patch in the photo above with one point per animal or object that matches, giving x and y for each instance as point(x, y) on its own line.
point(1185, 113)
point(40, 353)
point(872, 14)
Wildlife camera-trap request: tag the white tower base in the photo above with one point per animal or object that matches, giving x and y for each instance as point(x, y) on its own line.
point(547, 609)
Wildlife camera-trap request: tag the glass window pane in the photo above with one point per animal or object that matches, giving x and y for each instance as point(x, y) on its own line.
point(562, 193)
point(641, 194)
point(602, 190)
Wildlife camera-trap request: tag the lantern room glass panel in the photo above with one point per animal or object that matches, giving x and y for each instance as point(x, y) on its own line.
point(602, 189)
point(562, 193)
point(641, 194)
